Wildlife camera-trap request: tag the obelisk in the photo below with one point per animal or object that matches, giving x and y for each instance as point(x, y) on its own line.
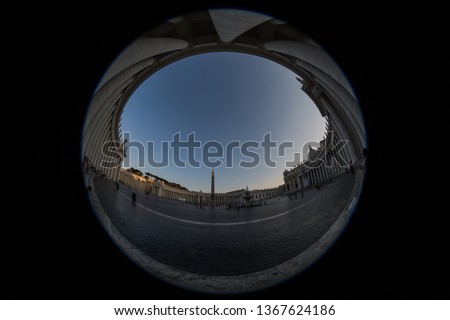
point(212, 187)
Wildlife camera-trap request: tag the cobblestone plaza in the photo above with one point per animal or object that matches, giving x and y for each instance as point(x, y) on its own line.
point(219, 243)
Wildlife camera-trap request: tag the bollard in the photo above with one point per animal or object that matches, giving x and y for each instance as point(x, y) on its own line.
point(133, 197)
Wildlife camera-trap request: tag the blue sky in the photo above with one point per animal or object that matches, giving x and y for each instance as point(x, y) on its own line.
point(221, 97)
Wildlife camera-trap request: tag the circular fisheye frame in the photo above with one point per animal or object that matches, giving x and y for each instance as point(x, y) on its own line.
point(224, 151)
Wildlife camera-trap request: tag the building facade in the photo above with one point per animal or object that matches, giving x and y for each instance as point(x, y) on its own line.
point(328, 161)
point(135, 181)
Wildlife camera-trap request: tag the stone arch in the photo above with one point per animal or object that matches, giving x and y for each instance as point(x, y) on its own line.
point(237, 31)
point(221, 30)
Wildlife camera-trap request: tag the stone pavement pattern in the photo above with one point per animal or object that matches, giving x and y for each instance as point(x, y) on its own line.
point(221, 242)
